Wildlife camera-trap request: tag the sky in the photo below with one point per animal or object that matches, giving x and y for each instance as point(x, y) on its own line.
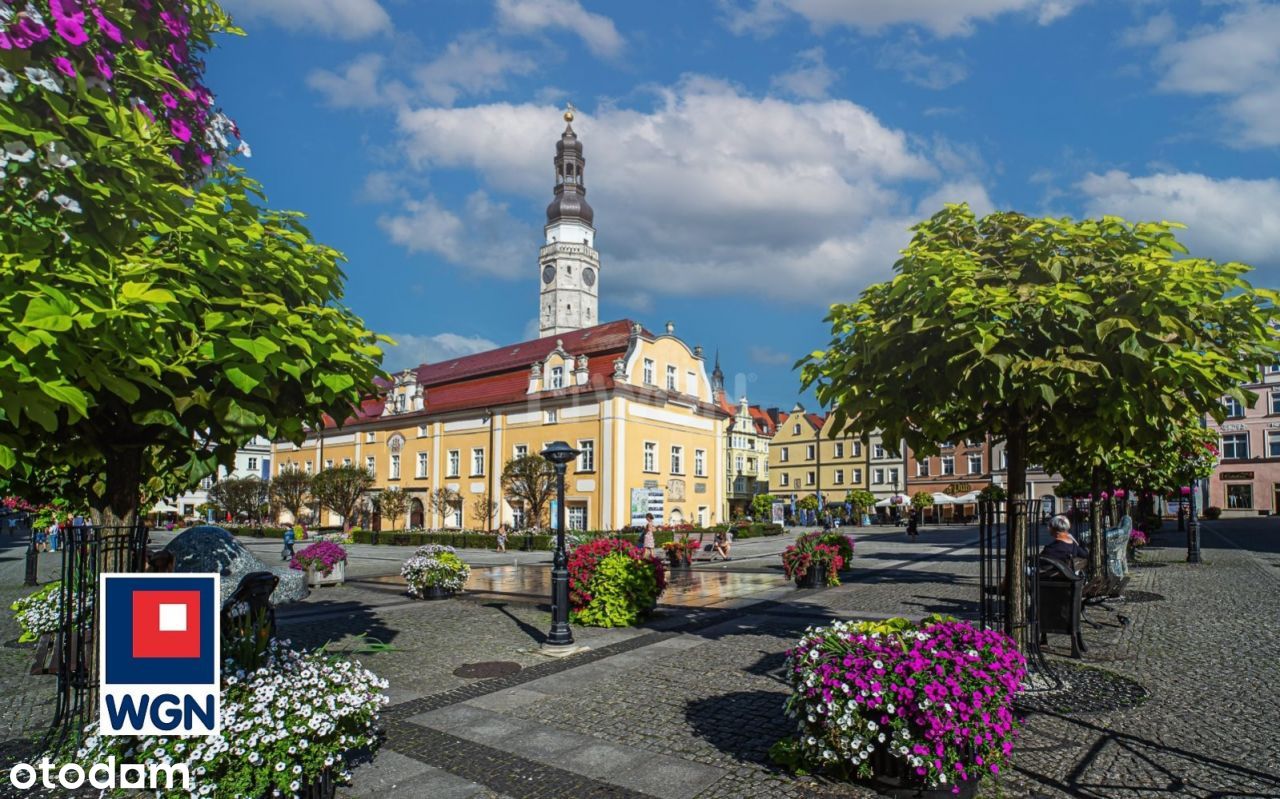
point(750, 162)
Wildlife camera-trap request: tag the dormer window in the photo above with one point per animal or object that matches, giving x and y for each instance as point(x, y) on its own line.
point(400, 399)
point(557, 377)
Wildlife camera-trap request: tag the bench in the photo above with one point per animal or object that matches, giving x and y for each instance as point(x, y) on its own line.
point(1116, 575)
point(1061, 601)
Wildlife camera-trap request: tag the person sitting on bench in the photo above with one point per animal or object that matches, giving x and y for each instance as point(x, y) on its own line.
point(722, 545)
point(1064, 546)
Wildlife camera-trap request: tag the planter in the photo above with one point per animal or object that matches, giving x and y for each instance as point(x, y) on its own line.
point(433, 592)
point(336, 576)
point(676, 562)
point(815, 577)
point(891, 776)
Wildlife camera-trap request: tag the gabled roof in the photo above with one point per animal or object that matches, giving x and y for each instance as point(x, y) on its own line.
point(765, 425)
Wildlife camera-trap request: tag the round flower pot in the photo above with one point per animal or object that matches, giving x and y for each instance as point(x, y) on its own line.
point(815, 577)
point(677, 562)
point(436, 592)
point(891, 776)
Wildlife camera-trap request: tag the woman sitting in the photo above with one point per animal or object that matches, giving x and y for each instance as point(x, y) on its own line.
point(724, 540)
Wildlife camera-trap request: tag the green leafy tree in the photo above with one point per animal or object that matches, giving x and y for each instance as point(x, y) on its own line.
point(531, 481)
point(154, 313)
point(392, 503)
point(862, 500)
point(444, 501)
point(762, 507)
point(921, 500)
point(1034, 331)
point(340, 489)
point(241, 497)
point(289, 490)
point(809, 502)
point(483, 509)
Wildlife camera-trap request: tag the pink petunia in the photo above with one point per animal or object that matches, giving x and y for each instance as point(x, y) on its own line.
point(64, 66)
point(71, 30)
point(179, 129)
point(108, 28)
point(28, 32)
point(5, 42)
point(66, 9)
point(169, 101)
point(104, 67)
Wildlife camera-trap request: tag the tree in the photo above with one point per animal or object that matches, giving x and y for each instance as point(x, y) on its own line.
point(861, 499)
point(809, 502)
point(289, 490)
point(241, 497)
point(393, 502)
point(531, 481)
point(154, 314)
point(921, 500)
point(762, 507)
point(444, 501)
point(483, 507)
point(340, 489)
point(1036, 331)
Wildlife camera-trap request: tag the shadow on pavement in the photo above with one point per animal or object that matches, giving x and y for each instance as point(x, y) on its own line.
point(329, 621)
point(743, 724)
point(536, 635)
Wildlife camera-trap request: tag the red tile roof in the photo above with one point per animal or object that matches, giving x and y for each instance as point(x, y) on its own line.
point(764, 423)
point(608, 337)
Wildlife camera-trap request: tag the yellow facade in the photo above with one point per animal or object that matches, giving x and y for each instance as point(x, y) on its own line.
point(805, 460)
point(649, 423)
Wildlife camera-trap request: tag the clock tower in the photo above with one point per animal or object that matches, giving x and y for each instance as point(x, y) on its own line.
point(568, 264)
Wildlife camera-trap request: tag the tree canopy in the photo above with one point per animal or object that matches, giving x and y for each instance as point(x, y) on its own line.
point(289, 490)
point(241, 497)
point(340, 489)
point(530, 480)
point(393, 502)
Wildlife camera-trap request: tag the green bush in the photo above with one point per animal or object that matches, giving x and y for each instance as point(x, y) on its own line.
point(1212, 512)
point(622, 589)
point(252, 531)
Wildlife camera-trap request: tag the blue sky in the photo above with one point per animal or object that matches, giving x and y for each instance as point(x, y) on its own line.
point(749, 161)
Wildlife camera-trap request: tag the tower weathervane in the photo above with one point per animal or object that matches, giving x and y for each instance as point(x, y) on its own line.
point(568, 111)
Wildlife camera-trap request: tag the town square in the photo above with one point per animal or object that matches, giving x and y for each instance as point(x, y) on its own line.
point(748, 398)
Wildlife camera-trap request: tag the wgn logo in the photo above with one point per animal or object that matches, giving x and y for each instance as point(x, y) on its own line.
point(159, 655)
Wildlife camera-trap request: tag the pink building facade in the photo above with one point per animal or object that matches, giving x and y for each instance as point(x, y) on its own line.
point(1247, 480)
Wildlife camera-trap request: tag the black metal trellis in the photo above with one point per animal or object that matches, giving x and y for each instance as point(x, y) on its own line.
point(993, 543)
point(89, 552)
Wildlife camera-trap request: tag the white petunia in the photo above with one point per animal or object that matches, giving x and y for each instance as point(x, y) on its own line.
point(44, 79)
point(7, 81)
point(68, 204)
point(59, 156)
point(18, 151)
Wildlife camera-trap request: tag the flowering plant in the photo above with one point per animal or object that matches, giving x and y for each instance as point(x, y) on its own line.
point(936, 697)
point(40, 612)
point(1138, 538)
point(321, 556)
point(434, 566)
point(284, 724)
point(616, 593)
point(680, 548)
point(832, 550)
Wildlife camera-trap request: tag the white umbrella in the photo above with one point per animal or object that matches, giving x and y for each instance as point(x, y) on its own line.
point(965, 499)
point(939, 498)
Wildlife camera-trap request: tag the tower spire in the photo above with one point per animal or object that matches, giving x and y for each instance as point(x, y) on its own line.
point(717, 378)
point(568, 264)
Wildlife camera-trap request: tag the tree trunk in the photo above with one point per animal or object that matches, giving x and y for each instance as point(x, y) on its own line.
point(1016, 543)
point(118, 505)
point(1097, 546)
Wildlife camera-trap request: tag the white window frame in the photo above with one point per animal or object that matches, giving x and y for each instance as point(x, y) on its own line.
point(878, 452)
point(948, 465)
point(784, 454)
point(393, 470)
point(519, 451)
point(795, 429)
point(1235, 410)
point(648, 372)
point(370, 437)
point(810, 477)
point(672, 377)
point(922, 467)
point(328, 463)
point(809, 451)
point(1275, 405)
point(877, 477)
point(699, 463)
point(650, 464)
point(784, 479)
point(557, 377)
point(552, 416)
point(453, 465)
point(857, 476)
point(839, 449)
point(587, 455)
point(975, 457)
point(1273, 444)
point(421, 468)
point(346, 461)
point(477, 462)
point(371, 465)
point(422, 431)
point(1235, 439)
point(839, 476)
point(893, 476)
point(677, 459)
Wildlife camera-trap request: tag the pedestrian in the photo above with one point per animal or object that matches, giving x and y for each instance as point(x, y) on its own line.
point(42, 538)
point(502, 538)
point(286, 553)
point(646, 541)
point(913, 525)
point(54, 530)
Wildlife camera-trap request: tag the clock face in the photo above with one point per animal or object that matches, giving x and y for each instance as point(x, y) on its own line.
point(589, 276)
point(548, 273)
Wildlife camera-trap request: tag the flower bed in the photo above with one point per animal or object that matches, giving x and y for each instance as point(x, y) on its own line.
point(285, 725)
point(40, 612)
point(611, 584)
point(435, 566)
point(322, 556)
point(829, 552)
point(933, 701)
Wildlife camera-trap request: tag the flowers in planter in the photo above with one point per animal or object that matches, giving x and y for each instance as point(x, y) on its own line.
point(434, 566)
point(1138, 538)
point(680, 549)
point(832, 550)
point(937, 698)
point(284, 725)
point(321, 556)
point(612, 584)
point(40, 612)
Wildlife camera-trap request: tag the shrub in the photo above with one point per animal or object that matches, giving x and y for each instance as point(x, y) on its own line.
point(938, 697)
point(321, 556)
point(434, 566)
point(834, 550)
point(1212, 512)
point(616, 595)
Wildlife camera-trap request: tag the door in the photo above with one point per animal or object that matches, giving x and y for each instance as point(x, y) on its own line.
point(417, 514)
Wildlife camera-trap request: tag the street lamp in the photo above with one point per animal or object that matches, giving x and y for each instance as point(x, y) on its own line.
point(559, 453)
point(1193, 527)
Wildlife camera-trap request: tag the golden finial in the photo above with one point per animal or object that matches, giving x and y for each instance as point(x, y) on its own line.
point(568, 112)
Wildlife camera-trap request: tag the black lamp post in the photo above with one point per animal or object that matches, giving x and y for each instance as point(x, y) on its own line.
point(1193, 528)
point(559, 453)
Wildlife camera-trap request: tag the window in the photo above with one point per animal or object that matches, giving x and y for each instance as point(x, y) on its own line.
point(328, 463)
point(948, 464)
point(575, 517)
point(394, 473)
point(700, 463)
point(370, 437)
point(691, 383)
point(1239, 495)
point(671, 378)
point(784, 479)
point(371, 465)
point(587, 458)
point(857, 475)
point(308, 466)
point(893, 477)
point(1275, 402)
point(648, 371)
point(1004, 460)
point(455, 463)
point(1273, 445)
point(400, 403)
point(346, 461)
point(477, 462)
point(947, 445)
point(551, 417)
point(839, 449)
point(783, 454)
point(677, 460)
point(1234, 408)
point(877, 476)
point(922, 468)
point(877, 451)
point(751, 465)
point(521, 450)
point(1273, 368)
point(737, 464)
point(795, 429)
point(839, 476)
point(422, 431)
point(557, 377)
point(975, 463)
point(650, 456)
point(808, 452)
point(751, 443)
point(810, 477)
point(253, 464)
point(1235, 445)
point(857, 449)
point(422, 465)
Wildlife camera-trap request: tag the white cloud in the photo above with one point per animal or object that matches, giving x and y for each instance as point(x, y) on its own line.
point(941, 17)
point(1156, 30)
point(472, 64)
point(597, 31)
point(483, 237)
point(413, 350)
point(768, 356)
point(1231, 219)
point(1237, 59)
point(342, 19)
point(711, 190)
point(810, 78)
point(358, 85)
point(919, 66)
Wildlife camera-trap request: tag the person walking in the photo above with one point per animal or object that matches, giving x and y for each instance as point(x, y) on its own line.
point(913, 524)
point(646, 541)
point(286, 552)
point(502, 538)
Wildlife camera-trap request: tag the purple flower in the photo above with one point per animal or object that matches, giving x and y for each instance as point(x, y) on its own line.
point(169, 101)
point(64, 66)
point(105, 25)
point(180, 130)
point(71, 30)
point(104, 67)
point(28, 32)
